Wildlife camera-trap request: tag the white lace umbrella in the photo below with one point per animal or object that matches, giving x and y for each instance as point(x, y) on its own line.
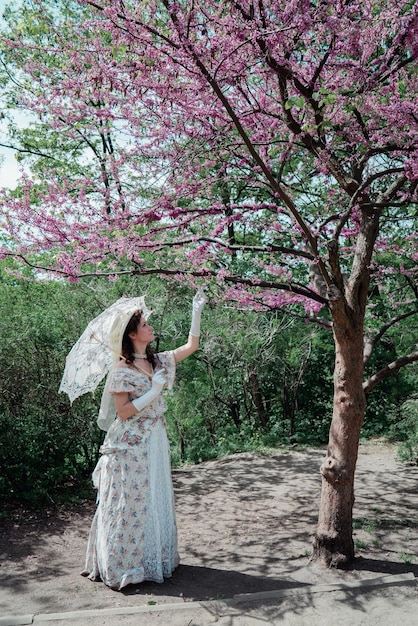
point(99, 347)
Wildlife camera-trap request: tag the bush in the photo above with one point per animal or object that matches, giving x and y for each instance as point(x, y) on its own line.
point(405, 430)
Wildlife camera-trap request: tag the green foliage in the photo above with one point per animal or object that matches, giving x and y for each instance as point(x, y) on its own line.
point(45, 444)
point(384, 413)
point(405, 429)
point(47, 447)
point(255, 383)
point(382, 405)
point(258, 381)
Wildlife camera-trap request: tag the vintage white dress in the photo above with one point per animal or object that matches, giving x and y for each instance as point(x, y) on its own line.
point(133, 536)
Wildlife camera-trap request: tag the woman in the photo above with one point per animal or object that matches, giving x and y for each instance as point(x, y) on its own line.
point(133, 536)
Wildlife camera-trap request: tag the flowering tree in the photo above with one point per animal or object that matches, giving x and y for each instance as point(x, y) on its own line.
point(268, 147)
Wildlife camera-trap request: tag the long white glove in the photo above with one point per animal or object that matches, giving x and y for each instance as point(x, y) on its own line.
point(199, 302)
point(158, 381)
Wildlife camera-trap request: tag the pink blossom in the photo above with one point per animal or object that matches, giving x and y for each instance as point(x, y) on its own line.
point(215, 142)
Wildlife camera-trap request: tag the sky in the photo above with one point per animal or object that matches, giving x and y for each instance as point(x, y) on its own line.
point(8, 168)
point(8, 163)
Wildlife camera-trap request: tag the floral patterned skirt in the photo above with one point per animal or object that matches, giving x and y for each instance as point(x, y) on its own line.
point(133, 536)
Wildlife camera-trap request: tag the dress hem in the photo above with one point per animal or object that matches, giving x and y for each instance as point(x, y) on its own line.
point(121, 585)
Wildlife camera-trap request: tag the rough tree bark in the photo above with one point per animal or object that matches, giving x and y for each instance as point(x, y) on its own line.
point(333, 541)
point(257, 396)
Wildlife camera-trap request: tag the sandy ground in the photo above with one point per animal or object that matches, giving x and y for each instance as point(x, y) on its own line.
point(245, 526)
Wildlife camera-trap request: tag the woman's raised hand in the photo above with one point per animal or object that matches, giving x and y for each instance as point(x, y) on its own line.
point(199, 302)
point(159, 380)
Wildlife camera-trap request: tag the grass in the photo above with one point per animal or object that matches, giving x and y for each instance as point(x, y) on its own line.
point(364, 523)
point(360, 544)
point(408, 559)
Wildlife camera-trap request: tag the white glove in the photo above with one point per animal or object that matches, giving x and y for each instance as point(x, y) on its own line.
point(199, 302)
point(158, 381)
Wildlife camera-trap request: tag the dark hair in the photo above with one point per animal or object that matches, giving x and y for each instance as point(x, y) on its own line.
point(127, 345)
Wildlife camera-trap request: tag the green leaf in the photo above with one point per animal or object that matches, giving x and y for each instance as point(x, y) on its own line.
point(296, 101)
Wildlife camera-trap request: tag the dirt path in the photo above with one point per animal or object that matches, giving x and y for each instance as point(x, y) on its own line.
point(245, 525)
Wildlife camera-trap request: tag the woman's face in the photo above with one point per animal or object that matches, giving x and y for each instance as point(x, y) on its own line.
point(144, 332)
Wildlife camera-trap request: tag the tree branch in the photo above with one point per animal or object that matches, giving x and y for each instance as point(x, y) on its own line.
point(390, 191)
point(295, 288)
point(228, 246)
point(286, 199)
point(300, 290)
point(137, 22)
point(388, 370)
point(27, 150)
point(370, 344)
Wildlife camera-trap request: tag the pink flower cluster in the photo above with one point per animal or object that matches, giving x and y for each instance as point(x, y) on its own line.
point(231, 140)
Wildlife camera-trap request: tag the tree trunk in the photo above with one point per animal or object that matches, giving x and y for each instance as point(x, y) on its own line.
point(333, 542)
point(235, 413)
point(257, 396)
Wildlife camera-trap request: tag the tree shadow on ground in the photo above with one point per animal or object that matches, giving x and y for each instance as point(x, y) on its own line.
point(380, 566)
point(245, 525)
point(194, 583)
